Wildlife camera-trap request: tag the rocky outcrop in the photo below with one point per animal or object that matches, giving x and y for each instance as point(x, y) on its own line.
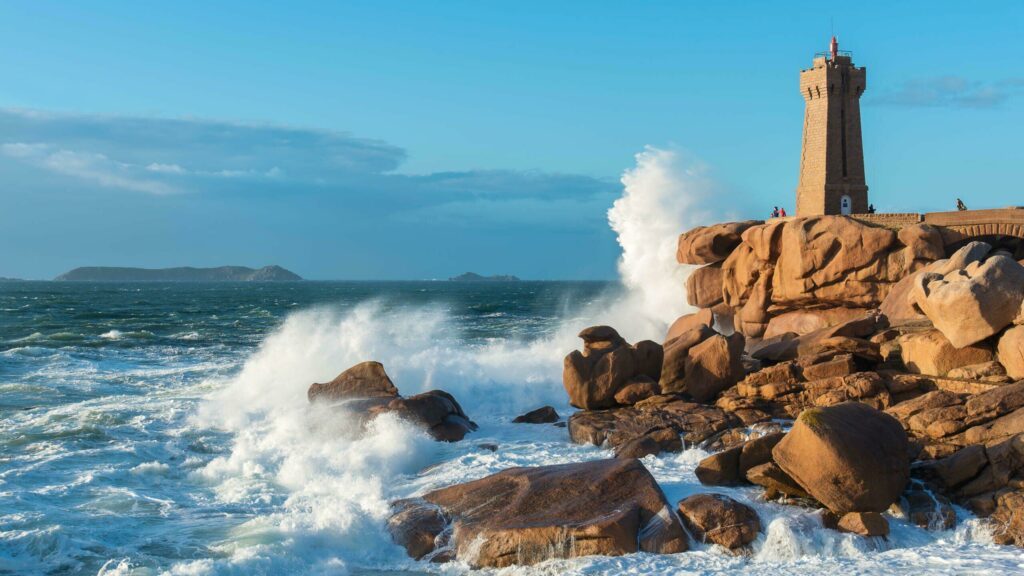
point(435, 411)
point(701, 363)
point(864, 523)
point(606, 365)
point(973, 303)
point(775, 481)
point(694, 422)
point(688, 322)
point(651, 443)
point(850, 457)
point(802, 322)
point(930, 352)
point(802, 273)
point(364, 380)
point(711, 244)
point(718, 519)
point(899, 305)
point(730, 466)
point(526, 515)
point(366, 391)
point(704, 287)
point(1007, 519)
point(542, 415)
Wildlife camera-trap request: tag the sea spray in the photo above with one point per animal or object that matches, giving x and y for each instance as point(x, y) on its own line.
point(277, 441)
point(661, 198)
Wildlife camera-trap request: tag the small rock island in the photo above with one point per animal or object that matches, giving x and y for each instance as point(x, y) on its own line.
point(182, 274)
point(474, 277)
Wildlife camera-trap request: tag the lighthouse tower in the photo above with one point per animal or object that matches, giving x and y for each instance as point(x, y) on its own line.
point(832, 158)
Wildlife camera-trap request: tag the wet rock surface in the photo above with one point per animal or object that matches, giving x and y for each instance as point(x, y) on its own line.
point(366, 391)
point(718, 519)
point(850, 457)
point(526, 515)
point(364, 380)
point(542, 415)
point(607, 364)
point(693, 422)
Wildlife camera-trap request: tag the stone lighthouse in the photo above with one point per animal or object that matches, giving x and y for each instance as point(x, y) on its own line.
point(832, 157)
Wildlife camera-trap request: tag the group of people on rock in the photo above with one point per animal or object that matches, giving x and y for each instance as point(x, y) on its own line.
point(778, 212)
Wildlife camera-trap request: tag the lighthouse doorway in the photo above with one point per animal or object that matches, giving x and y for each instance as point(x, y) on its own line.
point(845, 205)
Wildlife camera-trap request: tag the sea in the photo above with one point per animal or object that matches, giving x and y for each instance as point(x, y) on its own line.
point(164, 429)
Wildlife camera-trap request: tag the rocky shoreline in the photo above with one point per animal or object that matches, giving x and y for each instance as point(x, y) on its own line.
point(840, 366)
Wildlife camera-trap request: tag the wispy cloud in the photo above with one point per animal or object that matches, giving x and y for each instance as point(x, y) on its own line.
point(91, 167)
point(952, 92)
point(160, 156)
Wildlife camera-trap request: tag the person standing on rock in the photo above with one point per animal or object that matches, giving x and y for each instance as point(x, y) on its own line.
point(775, 212)
point(782, 212)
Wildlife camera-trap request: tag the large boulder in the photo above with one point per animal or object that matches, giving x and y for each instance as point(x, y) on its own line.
point(712, 366)
point(704, 287)
point(864, 523)
point(542, 415)
point(527, 515)
point(898, 305)
point(833, 259)
point(922, 242)
point(718, 519)
point(606, 365)
point(638, 389)
point(850, 457)
point(688, 322)
point(364, 380)
point(973, 303)
point(775, 481)
point(676, 353)
point(721, 469)
point(1011, 352)
point(1008, 518)
point(366, 391)
point(701, 363)
point(730, 466)
point(435, 411)
point(930, 352)
point(710, 244)
point(806, 321)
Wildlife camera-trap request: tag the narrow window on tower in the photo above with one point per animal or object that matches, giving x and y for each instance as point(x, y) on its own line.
point(842, 135)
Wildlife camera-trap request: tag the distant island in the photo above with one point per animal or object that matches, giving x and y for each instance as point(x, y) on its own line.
point(5, 279)
point(183, 274)
point(474, 277)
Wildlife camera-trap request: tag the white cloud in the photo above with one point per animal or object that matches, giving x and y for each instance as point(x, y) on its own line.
point(165, 168)
point(87, 166)
point(160, 156)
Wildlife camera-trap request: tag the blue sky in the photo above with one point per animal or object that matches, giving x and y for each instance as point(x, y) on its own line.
point(422, 139)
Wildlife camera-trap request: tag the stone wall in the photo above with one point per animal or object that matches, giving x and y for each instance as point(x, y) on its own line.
point(892, 220)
